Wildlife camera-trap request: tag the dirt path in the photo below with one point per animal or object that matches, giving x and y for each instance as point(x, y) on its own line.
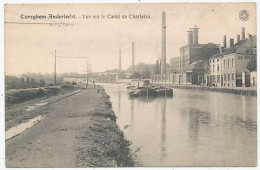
point(77, 131)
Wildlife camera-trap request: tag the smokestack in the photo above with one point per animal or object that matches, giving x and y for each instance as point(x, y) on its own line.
point(238, 38)
point(195, 35)
point(119, 59)
point(231, 42)
point(163, 60)
point(225, 41)
point(190, 37)
point(220, 49)
point(243, 33)
point(133, 56)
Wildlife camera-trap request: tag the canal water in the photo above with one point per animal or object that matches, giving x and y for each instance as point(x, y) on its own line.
point(193, 128)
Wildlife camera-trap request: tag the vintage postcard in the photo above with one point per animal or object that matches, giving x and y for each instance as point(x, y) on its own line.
point(130, 85)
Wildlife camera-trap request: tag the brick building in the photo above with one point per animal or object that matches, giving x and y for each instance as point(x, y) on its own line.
point(229, 67)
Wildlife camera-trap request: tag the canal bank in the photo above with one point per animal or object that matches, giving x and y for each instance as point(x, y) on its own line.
point(77, 131)
point(238, 90)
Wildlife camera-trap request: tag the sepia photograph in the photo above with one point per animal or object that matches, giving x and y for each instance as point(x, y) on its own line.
point(130, 85)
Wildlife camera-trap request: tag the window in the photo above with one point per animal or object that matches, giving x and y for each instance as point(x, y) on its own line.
point(218, 60)
point(228, 63)
point(225, 77)
point(213, 68)
point(232, 62)
point(218, 68)
point(218, 78)
point(221, 67)
point(228, 77)
point(224, 63)
point(233, 76)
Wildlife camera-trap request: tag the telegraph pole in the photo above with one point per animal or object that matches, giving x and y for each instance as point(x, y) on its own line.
point(64, 57)
point(87, 73)
point(55, 81)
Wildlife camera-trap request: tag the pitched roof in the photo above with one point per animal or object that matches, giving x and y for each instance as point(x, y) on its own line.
point(229, 50)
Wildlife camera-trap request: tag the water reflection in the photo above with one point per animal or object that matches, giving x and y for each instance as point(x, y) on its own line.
point(193, 128)
point(196, 118)
point(119, 100)
point(163, 131)
point(132, 111)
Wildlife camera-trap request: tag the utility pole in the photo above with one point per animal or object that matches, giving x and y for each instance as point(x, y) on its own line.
point(64, 57)
point(87, 73)
point(55, 81)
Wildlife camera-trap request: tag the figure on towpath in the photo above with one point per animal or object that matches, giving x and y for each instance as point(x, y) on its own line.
point(94, 84)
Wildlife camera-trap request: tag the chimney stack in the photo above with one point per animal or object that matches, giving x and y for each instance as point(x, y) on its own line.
point(238, 38)
point(195, 35)
point(163, 60)
point(133, 56)
point(225, 41)
point(119, 59)
point(243, 33)
point(190, 37)
point(231, 42)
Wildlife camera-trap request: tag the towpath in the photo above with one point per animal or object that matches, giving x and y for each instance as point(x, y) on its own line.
point(76, 131)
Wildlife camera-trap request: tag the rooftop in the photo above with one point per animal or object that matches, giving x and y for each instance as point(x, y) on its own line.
point(229, 50)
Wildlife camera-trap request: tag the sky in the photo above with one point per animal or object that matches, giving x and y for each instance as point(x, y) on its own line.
point(31, 47)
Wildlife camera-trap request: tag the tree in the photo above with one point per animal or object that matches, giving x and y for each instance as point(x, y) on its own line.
point(157, 68)
point(136, 75)
point(252, 64)
point(146, 74)
point(33, 83)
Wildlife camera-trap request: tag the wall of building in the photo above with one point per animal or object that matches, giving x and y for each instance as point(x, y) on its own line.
point(253, 79)
point(175, 63)
point(227, 70)
point(191, 53)
point(172, 78)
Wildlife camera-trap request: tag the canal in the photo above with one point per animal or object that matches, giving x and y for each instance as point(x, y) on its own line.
point(193, 128)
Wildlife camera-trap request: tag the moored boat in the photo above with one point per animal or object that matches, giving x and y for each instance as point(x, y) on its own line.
point(151, 92)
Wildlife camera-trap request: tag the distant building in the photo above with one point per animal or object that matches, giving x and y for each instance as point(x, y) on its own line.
point(106, 77)
point(229, 67)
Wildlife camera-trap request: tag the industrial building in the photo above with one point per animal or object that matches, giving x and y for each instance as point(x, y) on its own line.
point(186, 69)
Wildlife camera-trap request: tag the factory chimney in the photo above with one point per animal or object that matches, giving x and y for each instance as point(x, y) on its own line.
point(163, 60)
point(190, 37)
point(231, 42)
point(238, 38)
point(195, 35)
point(243, 33)
point(225, 41)
point(119, 60)
point(133, 56)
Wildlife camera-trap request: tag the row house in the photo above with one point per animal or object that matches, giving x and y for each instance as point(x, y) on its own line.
point(229, 68)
